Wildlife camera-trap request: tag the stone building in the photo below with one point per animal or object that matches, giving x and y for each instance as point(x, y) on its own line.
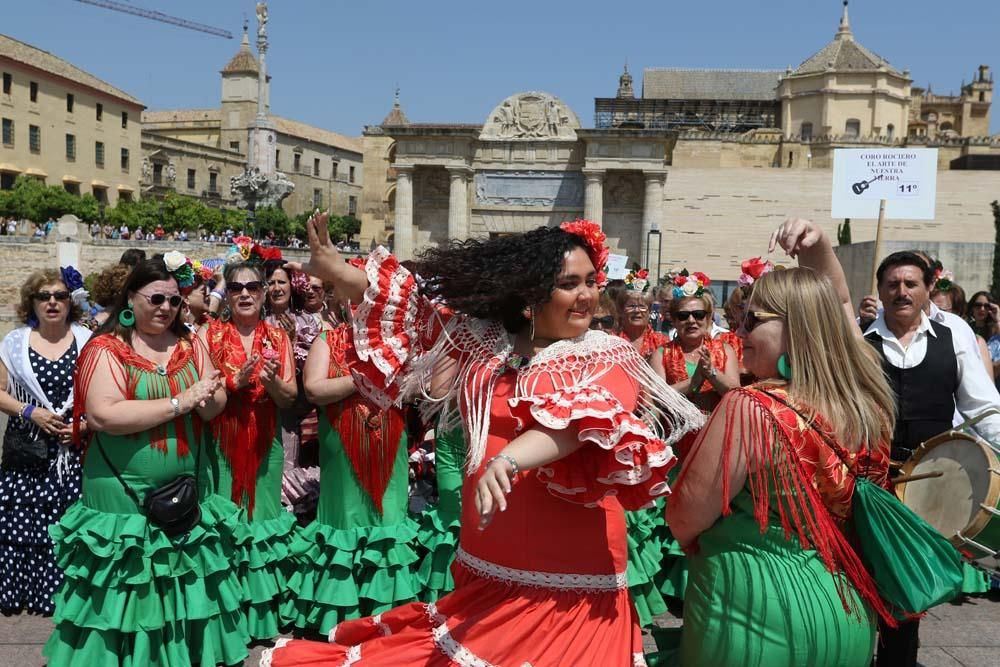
point(65, 126)
point(964, 115)
point(201, 149)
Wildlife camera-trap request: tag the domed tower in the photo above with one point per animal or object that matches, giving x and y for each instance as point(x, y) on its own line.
point(625, 91)
point(239, 95)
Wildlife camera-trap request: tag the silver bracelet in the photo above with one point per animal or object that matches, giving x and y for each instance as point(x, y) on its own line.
point(511, 461)
point(218, 295)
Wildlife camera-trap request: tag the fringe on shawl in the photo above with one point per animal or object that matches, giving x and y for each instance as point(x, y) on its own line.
point(370, 436)
point(675, 365)
point(774, 462)
point(180, 374)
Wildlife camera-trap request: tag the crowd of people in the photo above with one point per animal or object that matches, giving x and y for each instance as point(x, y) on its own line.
point(202, 455)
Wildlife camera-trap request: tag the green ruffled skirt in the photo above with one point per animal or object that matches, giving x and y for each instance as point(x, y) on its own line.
point(438, 540)
point(644, 556)
point(342, 574)
point(133, 598)
point(263, 565)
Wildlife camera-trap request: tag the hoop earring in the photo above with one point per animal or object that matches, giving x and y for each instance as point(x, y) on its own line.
point(126, 317)
point(784, 367)
point(531, 318)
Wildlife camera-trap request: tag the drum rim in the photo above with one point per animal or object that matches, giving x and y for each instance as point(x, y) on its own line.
point(981, 518)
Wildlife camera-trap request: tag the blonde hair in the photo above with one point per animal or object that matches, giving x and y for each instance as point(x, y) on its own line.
point(835, 373)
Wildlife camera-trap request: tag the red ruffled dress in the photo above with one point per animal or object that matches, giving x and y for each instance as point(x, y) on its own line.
point(545, 583)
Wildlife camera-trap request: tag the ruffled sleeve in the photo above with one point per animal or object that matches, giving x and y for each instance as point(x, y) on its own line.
point(622, 455)
point(393, 325)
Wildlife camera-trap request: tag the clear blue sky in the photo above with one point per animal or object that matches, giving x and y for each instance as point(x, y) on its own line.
point(335, 62)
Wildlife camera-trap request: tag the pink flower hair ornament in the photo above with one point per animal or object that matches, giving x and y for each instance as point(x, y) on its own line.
point(752, 269)
point(690, 284)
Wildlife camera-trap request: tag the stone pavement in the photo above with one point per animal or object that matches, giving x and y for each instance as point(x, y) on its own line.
point(953, 635)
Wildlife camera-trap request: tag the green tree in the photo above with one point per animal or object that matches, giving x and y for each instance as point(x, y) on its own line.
point(844, 232)
point(272, 219)
point(351, 225)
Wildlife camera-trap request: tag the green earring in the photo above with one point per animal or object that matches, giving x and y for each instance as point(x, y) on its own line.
point(126, 317)
point(784, 367)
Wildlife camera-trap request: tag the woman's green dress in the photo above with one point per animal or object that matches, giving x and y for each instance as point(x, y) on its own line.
point(440, 524)
point(263, 541)
point(751, 594)
point(132, 596)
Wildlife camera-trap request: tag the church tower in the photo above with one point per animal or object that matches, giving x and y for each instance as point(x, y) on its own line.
point(239, 96)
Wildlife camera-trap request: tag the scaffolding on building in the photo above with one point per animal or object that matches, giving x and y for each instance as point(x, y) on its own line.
point(663, 114)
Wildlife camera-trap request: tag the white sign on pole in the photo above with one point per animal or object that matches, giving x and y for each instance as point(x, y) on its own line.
point(617, 267)
point(905, 177)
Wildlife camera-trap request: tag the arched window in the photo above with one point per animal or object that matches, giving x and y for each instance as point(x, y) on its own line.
point(945, 126)
point(806, 131)
point(852, 128)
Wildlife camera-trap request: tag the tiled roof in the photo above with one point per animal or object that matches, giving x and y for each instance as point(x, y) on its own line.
point(844, 54)
point(709, 84)
point(181, 116)
point(395, 117)
point(29, 55)
point(244, 62)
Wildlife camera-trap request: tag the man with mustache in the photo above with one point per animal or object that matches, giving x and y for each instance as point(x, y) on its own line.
point(932, 373)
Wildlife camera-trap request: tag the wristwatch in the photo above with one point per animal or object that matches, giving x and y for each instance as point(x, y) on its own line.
point(175, 403)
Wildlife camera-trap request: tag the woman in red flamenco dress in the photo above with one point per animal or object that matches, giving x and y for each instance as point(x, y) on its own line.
point(566, 427)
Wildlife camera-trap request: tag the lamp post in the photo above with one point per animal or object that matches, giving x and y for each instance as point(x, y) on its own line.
point(654, 231)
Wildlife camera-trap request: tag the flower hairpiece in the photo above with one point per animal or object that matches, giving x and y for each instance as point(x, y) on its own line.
point(690, 284)
point(594, 238)
point(299, 281)
point(752, 270)
point(74, 283)
point(637, 281)
point(180, 267)
point(245, 250)
point(943, 278)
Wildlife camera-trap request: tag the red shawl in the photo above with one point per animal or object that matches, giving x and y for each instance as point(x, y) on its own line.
point(180, 373)
point(675, 365)
point(370, 436)
point(651, 341)
point(245, 429)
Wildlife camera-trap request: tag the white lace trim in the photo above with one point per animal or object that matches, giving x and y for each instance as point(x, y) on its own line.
point(448, 645)
point(555, 580)
point(268, 655)
point(638, 660)
point(383, 629)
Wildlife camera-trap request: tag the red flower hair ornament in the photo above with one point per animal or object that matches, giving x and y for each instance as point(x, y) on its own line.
point(592, 236)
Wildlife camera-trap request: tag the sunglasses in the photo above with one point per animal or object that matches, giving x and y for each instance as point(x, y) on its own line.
point(683, 315)
point(159, 299)
point(61, 295)
point(605, 322)
point(252, 287)
point(636, 306)
point(754, 317)
point(981, 304)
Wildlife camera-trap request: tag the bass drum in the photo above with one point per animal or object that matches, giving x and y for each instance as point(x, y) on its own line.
point(963, 503)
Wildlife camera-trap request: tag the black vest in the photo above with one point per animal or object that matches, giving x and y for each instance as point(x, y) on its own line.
point(925, 394)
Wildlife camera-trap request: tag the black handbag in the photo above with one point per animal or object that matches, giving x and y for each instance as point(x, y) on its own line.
point(21, 450)
point(172, 507)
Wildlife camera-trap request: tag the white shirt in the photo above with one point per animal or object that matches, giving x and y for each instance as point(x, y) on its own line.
point(975, 394)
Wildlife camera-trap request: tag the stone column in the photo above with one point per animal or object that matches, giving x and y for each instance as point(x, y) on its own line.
point(458, 203)
point(593, 202)
point(403, 233)
point(652, 216)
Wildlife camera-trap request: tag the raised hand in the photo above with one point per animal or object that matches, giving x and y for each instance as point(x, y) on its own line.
point(324, 258)
point(795, 235)
point(243, 376)
point(868, 308)
point(200, 393)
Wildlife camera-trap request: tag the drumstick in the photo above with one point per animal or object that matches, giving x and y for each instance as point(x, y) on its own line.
point(917, 477)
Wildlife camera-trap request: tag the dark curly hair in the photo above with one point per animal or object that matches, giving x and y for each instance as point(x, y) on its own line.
point(496, 279)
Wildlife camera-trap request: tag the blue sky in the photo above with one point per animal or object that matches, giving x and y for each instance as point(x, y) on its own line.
point(335, 63)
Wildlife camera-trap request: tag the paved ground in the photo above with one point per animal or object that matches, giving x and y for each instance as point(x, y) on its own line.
point(953, 635)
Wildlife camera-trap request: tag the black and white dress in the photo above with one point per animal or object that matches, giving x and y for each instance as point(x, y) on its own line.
point(34, 495)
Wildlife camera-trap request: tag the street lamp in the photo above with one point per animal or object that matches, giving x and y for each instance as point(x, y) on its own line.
point(654, 231)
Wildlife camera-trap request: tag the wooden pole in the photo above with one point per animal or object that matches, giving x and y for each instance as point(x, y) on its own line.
point(877, 252)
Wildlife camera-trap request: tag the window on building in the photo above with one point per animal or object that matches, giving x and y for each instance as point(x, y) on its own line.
point(316, 166)
point(124, 159)
point(157, 173)
point(35, 138)
point(191, 179)
point(101, 195)
point(317, 198)
point(982, 96)
point(7, 180)
point(70, 148)
point(100, 112)
point(72, 188)
point(33, 91)
point(124, 195)
point(277, 159)
point(234, 145)
point(8, 132)
point(945, 126)
point(853, 128)
point(890, 131)
point(99, 154)
point(213, 182)
point(333, 172)
point(297, 162)
point(124, 119)
point(352, 205)
point(807, 131)
point(350, 174)
point(69, 102)
point(8, 83)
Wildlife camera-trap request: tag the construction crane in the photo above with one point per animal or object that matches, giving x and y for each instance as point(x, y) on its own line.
point(158, 16)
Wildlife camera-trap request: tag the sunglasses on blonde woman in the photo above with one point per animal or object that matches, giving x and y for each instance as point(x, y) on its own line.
point(751, 318)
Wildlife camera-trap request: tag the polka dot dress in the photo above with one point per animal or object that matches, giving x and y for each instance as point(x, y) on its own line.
point(32, 497)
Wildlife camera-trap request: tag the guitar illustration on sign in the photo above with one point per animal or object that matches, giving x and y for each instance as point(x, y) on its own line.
point(861, 186)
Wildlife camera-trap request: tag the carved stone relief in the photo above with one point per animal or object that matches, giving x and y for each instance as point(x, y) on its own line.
point(623, 189)
point(529, 188)
point(531, 115)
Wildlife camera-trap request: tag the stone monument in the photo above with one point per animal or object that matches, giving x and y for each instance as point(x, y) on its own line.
point(261, 184)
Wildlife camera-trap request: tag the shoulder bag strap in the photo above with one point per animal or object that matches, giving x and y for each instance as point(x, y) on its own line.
point(128, 489)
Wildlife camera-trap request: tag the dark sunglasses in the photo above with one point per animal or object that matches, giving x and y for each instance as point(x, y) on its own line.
point(61, 295)
point(981, 304)
point(683, 315)
point(159, 299)
point(751, 318)
point(237, 288)
point(605, 322)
